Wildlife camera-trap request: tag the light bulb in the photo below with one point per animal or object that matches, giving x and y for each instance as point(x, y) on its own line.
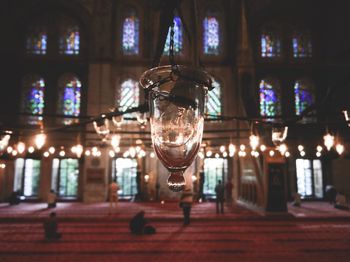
point(224, 154)
point(87, 153)
point(115, 141)
point(339, 148)
point(328, 141)
point(62, 153)
point(287, 154)
point(272, 153)
point(282, 148)
point(209, 153)
point(46, 154)
point(302, 153)
point(21, 147)
point(262, 148)
point(231, 149)
point(152, 155)
point(318, 153)
point(254, 141)
point(79, 150)
point(217, 155)
point(31, 149)
point(111, 153)
point(222, 149)
point(319, 148)
point(51, 150)
point(9, 149)
point(242, 147)
point(40, 140)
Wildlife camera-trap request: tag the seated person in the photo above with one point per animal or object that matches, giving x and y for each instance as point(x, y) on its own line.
point(297, 200)
point(340, 202)
point(50, 227)
point(15, 198)
point(139, 225)
point(51, 199)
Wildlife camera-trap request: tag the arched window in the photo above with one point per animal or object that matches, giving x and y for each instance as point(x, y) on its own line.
point(177, 37)
point(213, 105)
point(33, 98)
point(211, 34)
point(129, 94)
point(270, 97)
point(36, 40)
point(302, 46)
point(69, 41)
point(130, 38)
point(270, 44)
point(304, 95)
point(70, 96)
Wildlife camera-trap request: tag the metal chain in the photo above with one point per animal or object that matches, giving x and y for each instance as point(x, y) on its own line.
point(171, 46)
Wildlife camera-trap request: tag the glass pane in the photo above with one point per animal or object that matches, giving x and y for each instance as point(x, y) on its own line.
point(213, 105)
point(131, 34)
point(129, 95)
point(36, 41)
point(269, 98)
point(177, 37)
point(33, 98)
point(270, 45)
point(304, 177)
point(211, 36)
point(69, 173)
point(69, 40)
point(318, 180)
point(17, 183)
point(304, 96)
point(54, 176)
point(302, 46)
point(31, 177)
point(126, 169)
point(214, 169)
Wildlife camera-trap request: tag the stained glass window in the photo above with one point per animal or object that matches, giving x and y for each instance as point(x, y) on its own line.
point(213, 106)
point(131, 34)
point(69, 42)
point(211, 36)
point(36, 41)
point(70, 97)
point(129, 94)
point(33, 98)
point(302, 46)
point(270, 44)
point(304, 96)
point(269, 98)
point(177, 37)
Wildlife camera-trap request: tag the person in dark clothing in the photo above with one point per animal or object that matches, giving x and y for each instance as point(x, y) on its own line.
point(220, 195)
point(186, 205)
point(15, 198)
point(51, 226)
point(139, 225)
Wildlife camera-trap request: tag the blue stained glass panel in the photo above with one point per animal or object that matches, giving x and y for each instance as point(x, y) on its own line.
point(34, 99)
point(71, 98)
point(211, 35)
point(304, 96)
point(36, 42)
point(70, 41)
point(269, 99)
point(177, 37)
point(270, 45)
point(213, 105)
point(302, 46)
point(131, 35)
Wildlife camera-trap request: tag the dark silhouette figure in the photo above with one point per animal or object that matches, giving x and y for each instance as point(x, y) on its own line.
point(186, 205)
point(51, 226)
point(51, 199)
point(139, 225)
point(14, 198)
point(220, 194)
point(331, 194)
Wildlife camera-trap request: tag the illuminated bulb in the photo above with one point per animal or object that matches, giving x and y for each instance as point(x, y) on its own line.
point(126, 154)
point(287, 154)
point(272, 153)
point(111, 153)
point(217, 155)
point(328, 141)
point(209, 153)
point(222, 149)
point(137, 149)
point(319, 148)
point(9, 149)
point(146, 177)
point(40, 140)
point(4, 141)
point(31, 149)
point(98, 153)
point(142, 153)
point(46, 154)
point(242, 153)
point(115, 141)
point(87, 153)
point(282, 148)
point(318, 153)
point(201, 155)
point(21, 147)
point(262, 148)
point(302, 153)
point(152, 155)
point(14, 152)
point(194, 178)
point(254, 141)
point(242, 147)
point(300, 148)
point(79, 150)
point(2, 165)
point(117, 149)
point(62, 153)
point(224, 154)
point(132, 151)
point(94, 149)
point(51, 150)
point(339, 148)
point(232, 149)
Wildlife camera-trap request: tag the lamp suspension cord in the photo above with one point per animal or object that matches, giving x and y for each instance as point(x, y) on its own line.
point(171, 48)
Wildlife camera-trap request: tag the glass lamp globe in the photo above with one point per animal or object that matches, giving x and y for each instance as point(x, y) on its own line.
point(176, 102)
